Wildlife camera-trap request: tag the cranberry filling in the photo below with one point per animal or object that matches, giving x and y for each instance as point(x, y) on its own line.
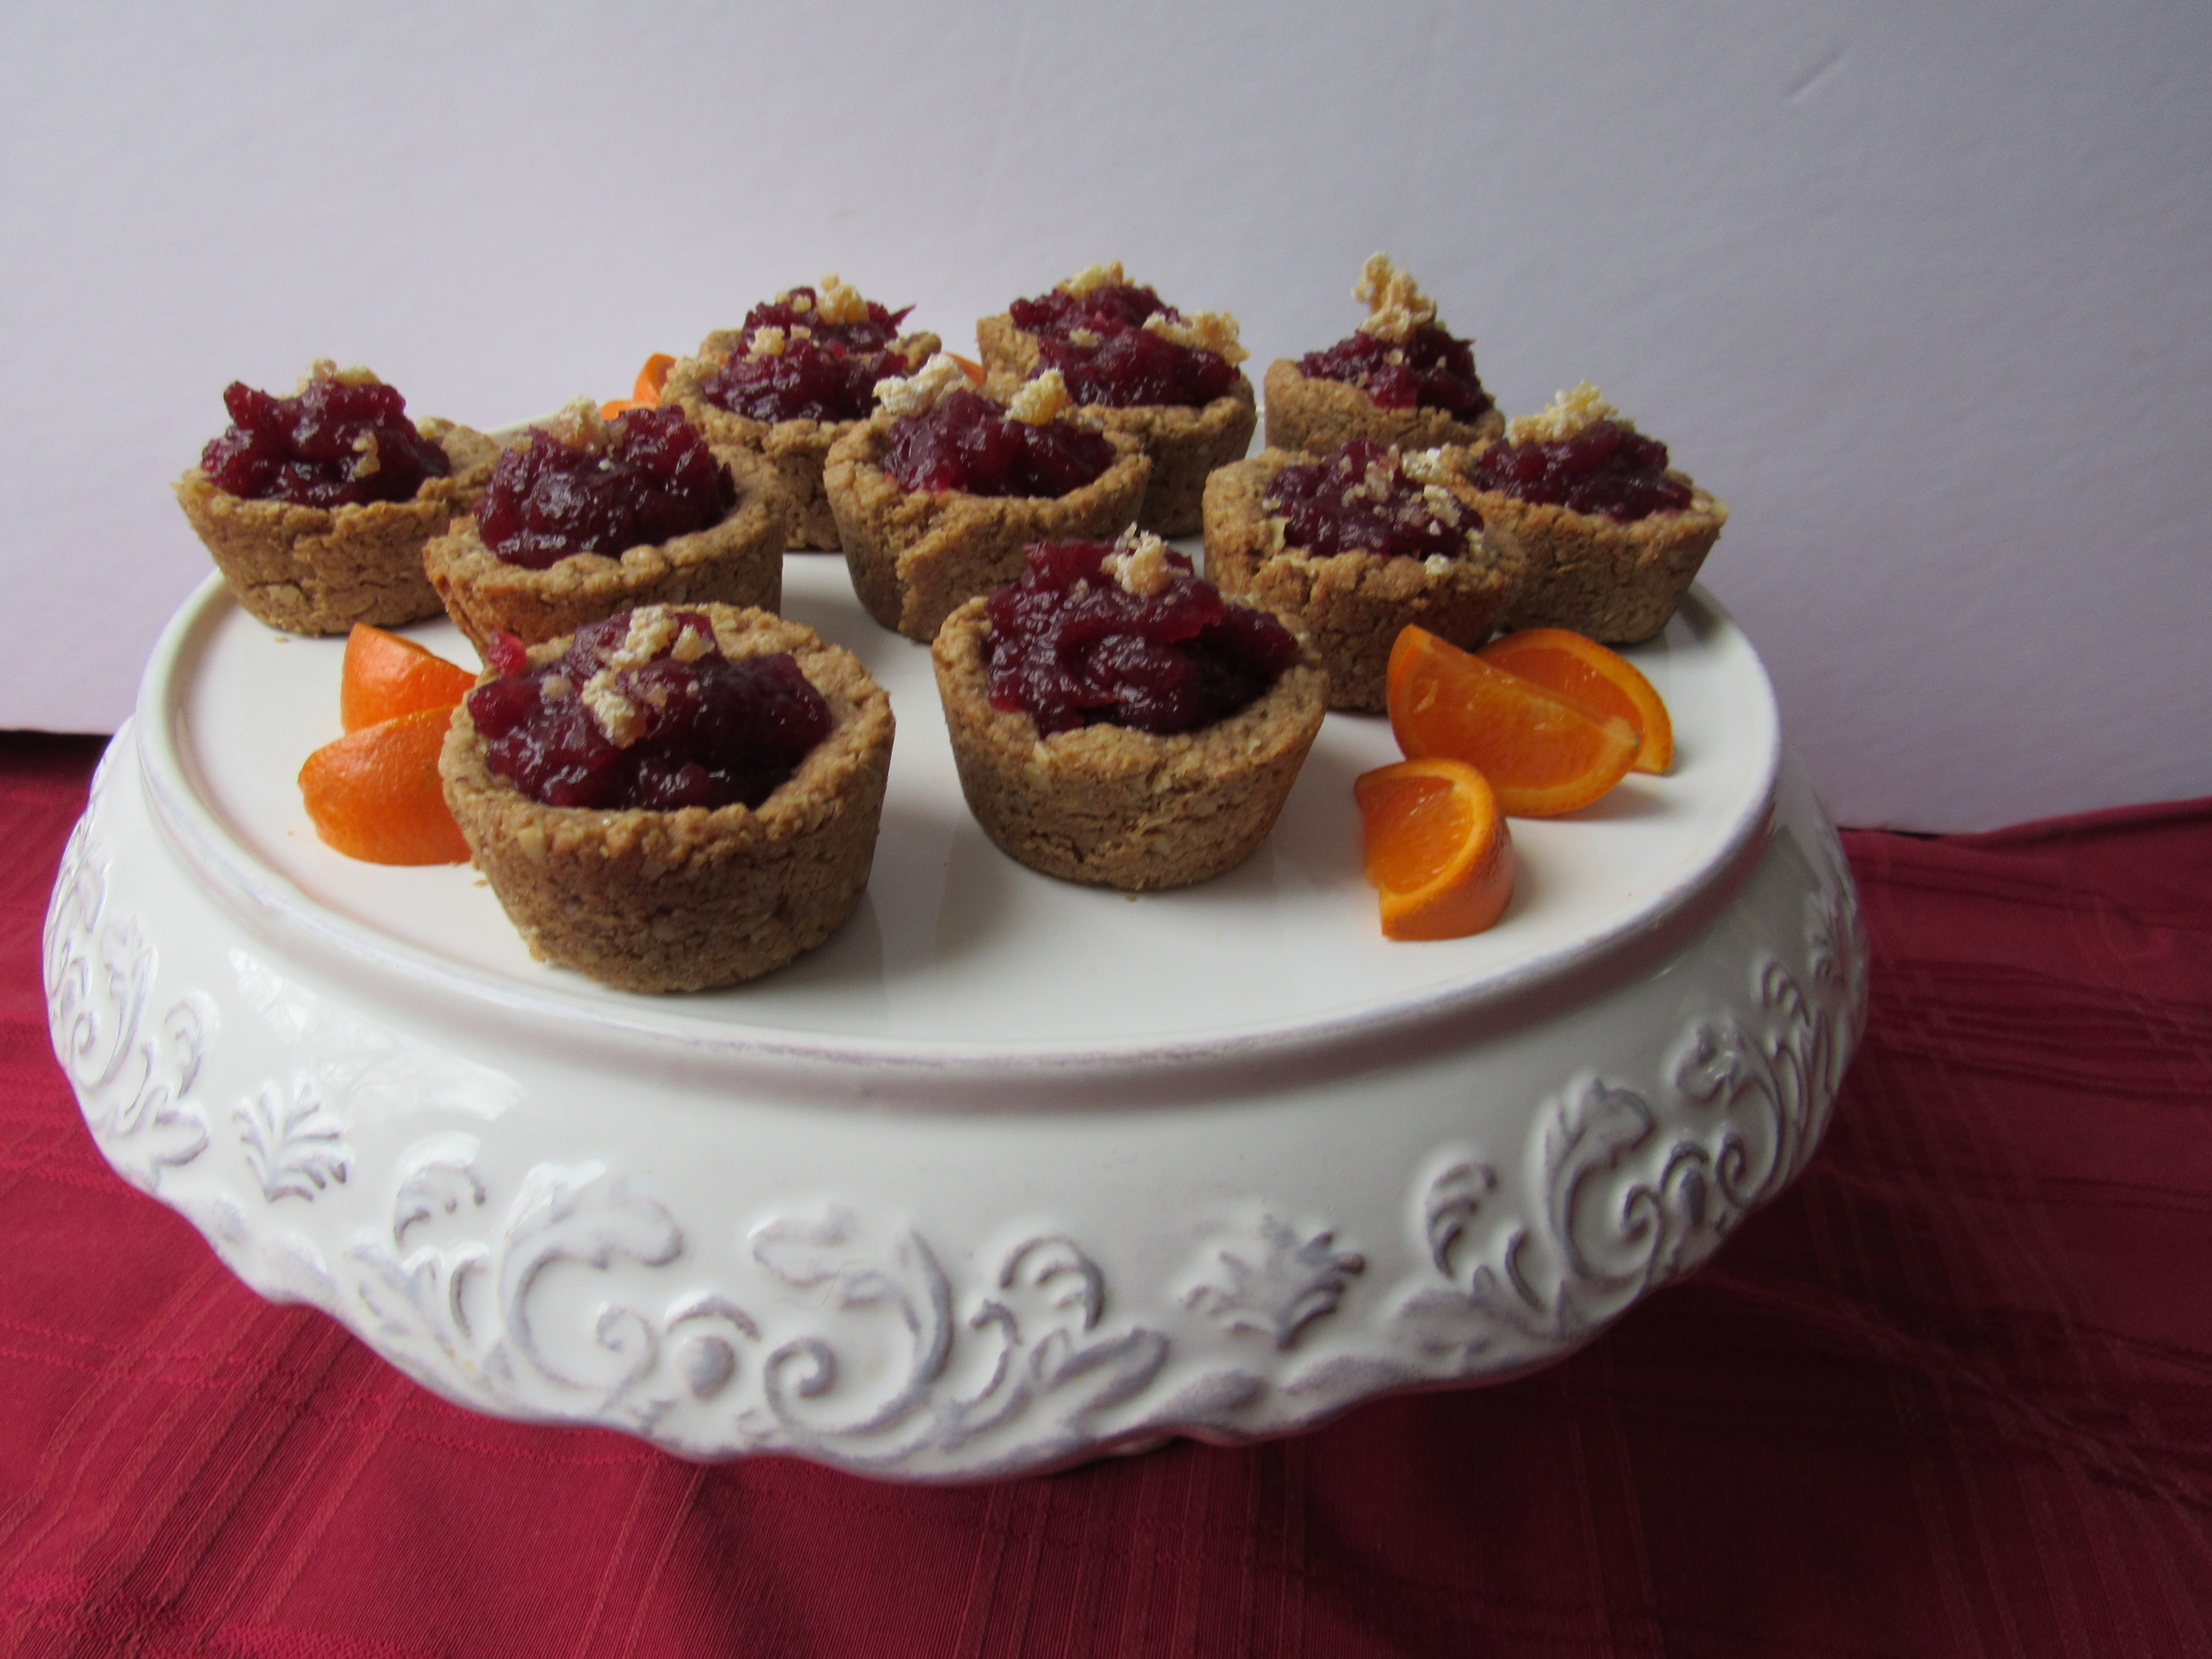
point(1360, 499)
point(811, 380)
point(1430, 369)
point(1110, 306)
point(967, 442)
point(1605, 470)
point(1129, 366)
point(337, 444)
point(550, 499)
point(1070, 648)
point(861, 337)
point(711, 731)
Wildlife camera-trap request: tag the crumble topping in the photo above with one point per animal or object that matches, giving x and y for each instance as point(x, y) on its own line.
point(622, 721)
point(768, 341)
point(1425, 465)
point(555, 687)
point(1202, 331)
point(1040, 401)
point(1569, 414)
point(1110, 274)
point(364, 445)
point(836, 301)
point(580, 427)
point(1088, 338)
point(1139, 563)
point(1396, 305)
point(923, 390)
point(324, 370)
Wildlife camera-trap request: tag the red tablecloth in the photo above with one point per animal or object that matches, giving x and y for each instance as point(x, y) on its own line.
point(1952, 1394)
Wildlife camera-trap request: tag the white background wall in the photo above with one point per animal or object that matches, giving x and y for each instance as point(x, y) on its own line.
point(1924, 294)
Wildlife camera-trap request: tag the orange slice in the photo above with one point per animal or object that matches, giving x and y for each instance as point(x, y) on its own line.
point(646, 393)
point(1542, 755)
point(1437, 848)
point(374, 794)
point(1596, 680)
point(968, 367)
point(386, 676)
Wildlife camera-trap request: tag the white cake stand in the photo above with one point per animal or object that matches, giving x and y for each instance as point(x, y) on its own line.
point(1010, 1173)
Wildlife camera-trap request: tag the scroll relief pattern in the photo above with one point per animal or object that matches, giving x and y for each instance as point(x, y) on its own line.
point(1636, 1188)
point(132, 1061)
point(903, 1371)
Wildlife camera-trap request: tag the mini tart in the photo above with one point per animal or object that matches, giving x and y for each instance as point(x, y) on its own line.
point(1317, 415)
point(916, 556)
point(796, 449)
point(1618, 583)
point(1351, 604)
point(319, 570)
point(737, 561)
point(700, 896)
point(1113, 807)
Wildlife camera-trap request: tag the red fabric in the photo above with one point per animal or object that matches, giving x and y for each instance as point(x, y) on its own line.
point(1951, 1394)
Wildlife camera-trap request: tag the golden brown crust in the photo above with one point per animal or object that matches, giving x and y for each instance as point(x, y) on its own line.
point(915, 556)
point(796, 449)
point(686, 900)
point(319, 570)
point(1351, 604)
point(1618, 583)
point(737, 561)
point(1316, 414)
point(1118, 808)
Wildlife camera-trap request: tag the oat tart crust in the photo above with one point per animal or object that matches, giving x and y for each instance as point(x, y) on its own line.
point(319, 570)
point(701, 897)
point(1618, 583)
point(1117, 808)
point(796, 449)
point(916, 556)
point(1316, 414)
point(737, 561)
point(1351, 604)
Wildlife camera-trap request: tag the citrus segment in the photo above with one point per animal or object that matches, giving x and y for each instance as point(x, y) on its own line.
point(386, 676)
point(1542, 755)
point(645, 394)
point(1598, 681)
point(375, 793)
point(1437, 848)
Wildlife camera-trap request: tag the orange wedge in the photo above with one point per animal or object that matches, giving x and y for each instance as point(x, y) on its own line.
point(1543, 756)
point(386, 676)
point(1597, 681)
point(375, 793)
point(1437, 848)
point(646, 393)
point(968, 367)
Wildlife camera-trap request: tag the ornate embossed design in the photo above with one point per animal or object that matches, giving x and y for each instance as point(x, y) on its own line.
point(1278, 1283)
point(1630, 1194)
point(1036, 1354)
point(133, 1069)
point(294, 1147)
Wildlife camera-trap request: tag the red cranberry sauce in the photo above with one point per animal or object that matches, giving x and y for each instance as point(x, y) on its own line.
point(1606, 470)
point(860, 336)
point(1070, 648)
point(810, 380)
point(549, 499)
point(707, 733)
point(1108, 307)
point(337, 444)
point(1126, 367)
point(1430, 369)
point(1360, 499)
point(967, 442)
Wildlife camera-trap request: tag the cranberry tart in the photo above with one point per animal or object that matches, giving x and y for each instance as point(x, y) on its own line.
point(1355, 545)
point(1115, 721)
point(676, 798)
point(792, 380)
point(589, 517)
point(316, 506)
point(1141, 367)
point(937, 493)
point(1608, 537)
point(1401, 378)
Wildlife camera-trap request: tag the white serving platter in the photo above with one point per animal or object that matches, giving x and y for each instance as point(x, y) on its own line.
point(1010, 1171)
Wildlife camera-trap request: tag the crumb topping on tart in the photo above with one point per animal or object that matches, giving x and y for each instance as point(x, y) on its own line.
point(909, 395)
point(1366, 498)
point(1396, 307)
point(1139, 564)
point(342, 439)
point(1040, 400)
point(1093, 277)
point(1201, 330)
point(1567, 416)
